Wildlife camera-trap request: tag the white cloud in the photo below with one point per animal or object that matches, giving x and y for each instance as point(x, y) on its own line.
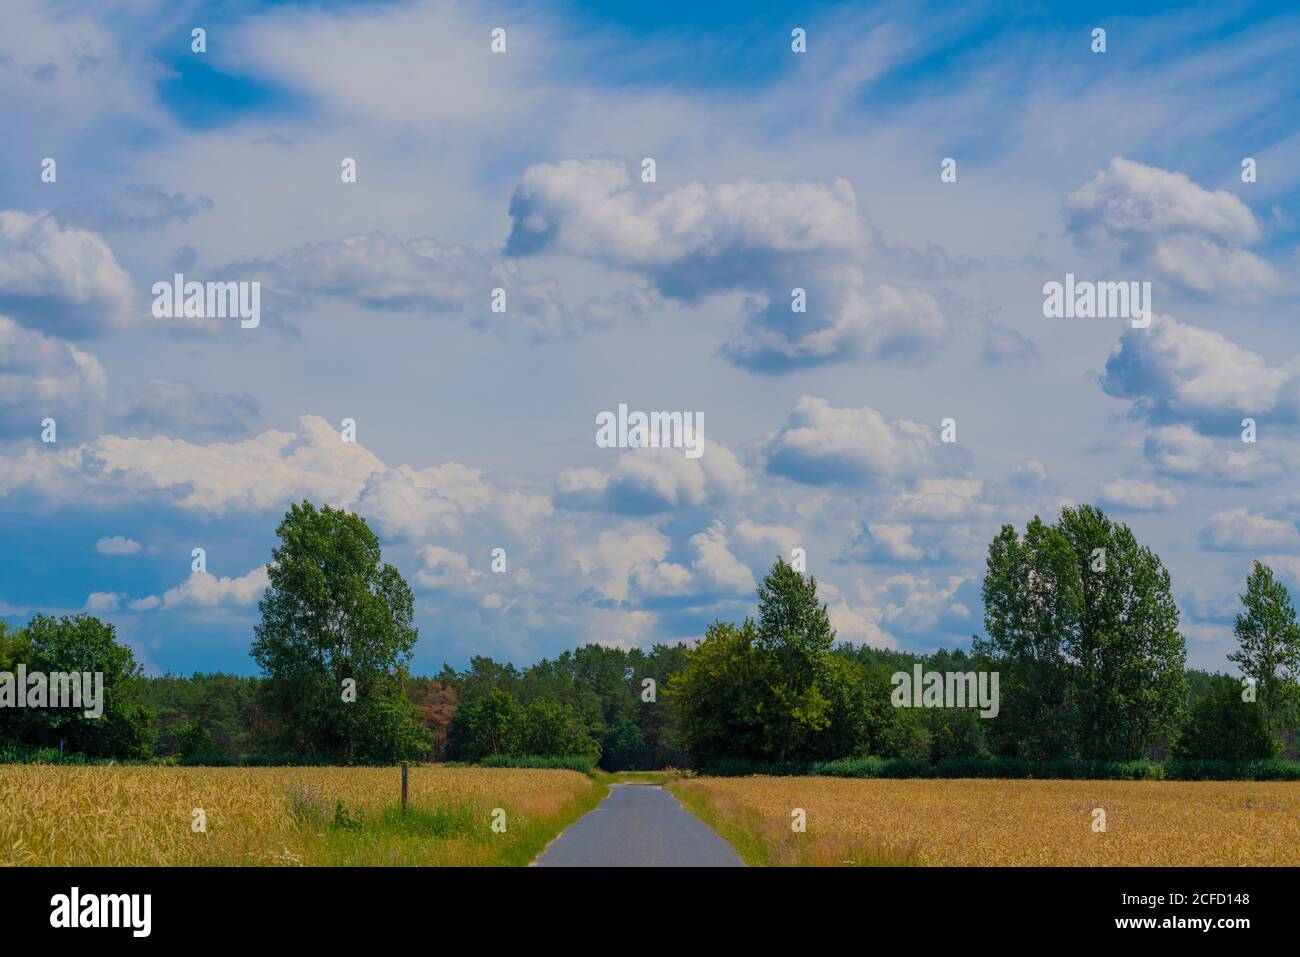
point(60, 280)
point(1239, 530)
point(101, 602)
point(1139, 496)
point(117, 545)
point(205, 590)
point(648, 480)
point(763, 238)
point(715, 567)
point(771, 539)
point(608, 561)
point(1176, 372)
point(691, 241)
point(1180, 451)
point(852, 319)
point(41, 377)
point(1163, 221)
point(820, 444)
point(447, 570)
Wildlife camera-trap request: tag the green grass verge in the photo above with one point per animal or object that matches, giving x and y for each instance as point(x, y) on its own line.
point(741, 834)
point(446, 835)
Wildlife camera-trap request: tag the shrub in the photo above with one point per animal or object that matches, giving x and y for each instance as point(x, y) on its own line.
point(583, 763)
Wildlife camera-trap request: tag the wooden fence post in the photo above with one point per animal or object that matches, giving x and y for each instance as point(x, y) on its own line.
point(404, 790)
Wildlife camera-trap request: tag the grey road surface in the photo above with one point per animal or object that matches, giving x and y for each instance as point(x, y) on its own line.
point(639, 825)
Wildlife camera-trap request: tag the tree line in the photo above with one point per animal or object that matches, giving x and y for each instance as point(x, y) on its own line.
point(1080, 625)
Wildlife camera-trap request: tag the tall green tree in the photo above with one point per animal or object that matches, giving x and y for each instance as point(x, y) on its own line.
point(1083, 619)
point(1129, 656)
point(1269, 646)
point(1032, 596)
point(722, 696)
point(335, 641)
point(794, 628)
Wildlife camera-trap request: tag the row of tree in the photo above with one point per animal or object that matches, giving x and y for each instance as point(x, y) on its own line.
point(1080, 625)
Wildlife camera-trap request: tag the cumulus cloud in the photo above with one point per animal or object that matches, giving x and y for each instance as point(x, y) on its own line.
point(1173, 372)
point(60, 280)
point(692, 241)
point(266, 472)
point(765, 239)
point(608, 560)
point(1136, 495)
point(446, 570)
point(893, 542)
point(848, 318)
point(715, 567)
point(903, 605)
point(714, 571)
point(41, 377)
point(423, 503)
point(645, 481)
point(117, 545)
point(770, 540)
point(1163, 222)
point(1239, 530)
point(205, 590)
point(820, 444)
point(1180, 451)
point(102, 602)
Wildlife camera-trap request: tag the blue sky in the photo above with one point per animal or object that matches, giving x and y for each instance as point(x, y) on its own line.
point(775, 170)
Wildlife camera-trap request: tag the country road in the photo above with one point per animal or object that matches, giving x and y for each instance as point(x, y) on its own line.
point(639, 825)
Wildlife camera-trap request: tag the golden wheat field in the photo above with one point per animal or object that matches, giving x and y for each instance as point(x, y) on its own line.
point(986, 822)
point(59, 815)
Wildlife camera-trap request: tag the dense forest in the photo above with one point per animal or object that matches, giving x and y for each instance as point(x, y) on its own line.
point(1080, 626)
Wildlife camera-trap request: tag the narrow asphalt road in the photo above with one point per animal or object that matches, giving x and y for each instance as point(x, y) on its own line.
point(639, 825)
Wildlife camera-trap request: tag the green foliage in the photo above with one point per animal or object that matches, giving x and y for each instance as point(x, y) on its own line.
point(82, 644)
point(1082, 626)
point(1269, 646)
point(1221, 726)
point(723, 696)
point(553, 729)
point(624, 747)
point(347, 820)
point(1031, 592)
point(564, 762)
point(1061, 769)
point(334, 612)
point(225, 707)
point(1267, 769)
point(195, 741)
point(601, 686)
point(795, 636)
point(490, 724)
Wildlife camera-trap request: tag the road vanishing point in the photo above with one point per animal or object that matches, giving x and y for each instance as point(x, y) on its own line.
point(639, 825)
